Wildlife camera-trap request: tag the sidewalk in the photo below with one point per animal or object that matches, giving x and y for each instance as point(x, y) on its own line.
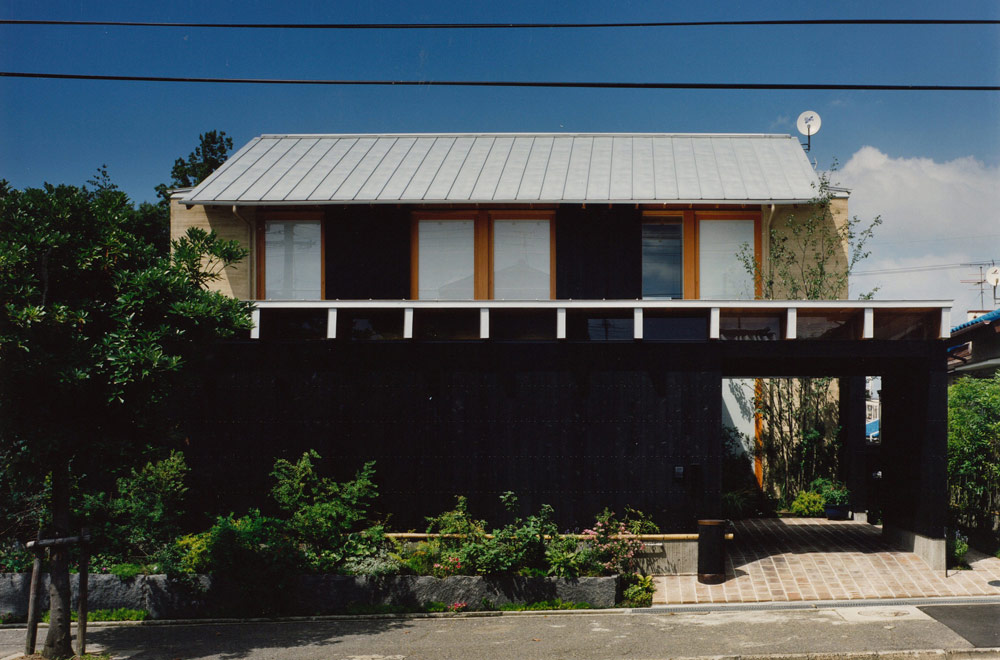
point(828, 633)
point(809, 559)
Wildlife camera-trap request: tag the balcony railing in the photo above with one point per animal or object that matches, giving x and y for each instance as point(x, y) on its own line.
point(602, 320)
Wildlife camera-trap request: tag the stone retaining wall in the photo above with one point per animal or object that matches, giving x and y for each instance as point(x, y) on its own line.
point(317, 594)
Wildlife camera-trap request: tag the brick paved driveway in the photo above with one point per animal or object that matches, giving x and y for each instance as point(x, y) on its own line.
point(796, 559)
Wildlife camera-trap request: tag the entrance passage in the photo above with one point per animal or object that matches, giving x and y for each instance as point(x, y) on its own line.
point(802, 559)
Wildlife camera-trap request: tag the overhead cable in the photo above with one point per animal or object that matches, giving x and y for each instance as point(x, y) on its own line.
point(518, 26)
point(510, 83)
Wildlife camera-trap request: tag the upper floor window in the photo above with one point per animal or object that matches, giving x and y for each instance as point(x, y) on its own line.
point(482, 255)
point(291, 267)
point(695, 254)
point(663, 259)
point(721, 274)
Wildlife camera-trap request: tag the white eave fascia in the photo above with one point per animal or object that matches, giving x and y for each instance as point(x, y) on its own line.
point(506, 202)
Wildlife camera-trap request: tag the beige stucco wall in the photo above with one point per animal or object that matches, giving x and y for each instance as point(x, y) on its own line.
point(779, 219)
point(237, 280)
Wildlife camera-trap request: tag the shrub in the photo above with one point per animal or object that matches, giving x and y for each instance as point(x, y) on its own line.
point(834, 493)
point(141, 517)
point(192, 552)
point(327, 517)
point(14, 557)
point(638, 590)
point(375, 565)
point(568, 558)
point(808, 503)
point(253, 561)
point(957, 547)
point(974, 457)
point(614, 546)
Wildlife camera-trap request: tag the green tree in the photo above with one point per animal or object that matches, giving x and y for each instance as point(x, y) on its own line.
point(974, 453)
point(810, 257)
point(212, 151)
point(94, 323)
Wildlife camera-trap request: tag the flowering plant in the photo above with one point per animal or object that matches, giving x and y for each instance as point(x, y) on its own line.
point(614, 545)
point(458, 607)
point(447, 566)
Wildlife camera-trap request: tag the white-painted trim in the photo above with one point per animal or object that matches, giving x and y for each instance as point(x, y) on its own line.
point(484, 323)
point(331, 323)
point(925, 305)
point(407, 323)
point(713, 308)
point(255, 320)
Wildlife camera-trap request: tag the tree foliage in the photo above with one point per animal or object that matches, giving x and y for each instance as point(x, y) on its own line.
point(94, 323)
point(810, 257)
point(974, 453)
point(212, 151)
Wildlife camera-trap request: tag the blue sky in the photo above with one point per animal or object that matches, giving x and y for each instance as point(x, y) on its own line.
point(61, 131)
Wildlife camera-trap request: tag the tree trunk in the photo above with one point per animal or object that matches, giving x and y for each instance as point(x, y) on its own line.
point(57, 640)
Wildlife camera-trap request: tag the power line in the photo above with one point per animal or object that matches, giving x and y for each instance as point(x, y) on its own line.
point(511, 83)
point(497, 26)
point(917, 269)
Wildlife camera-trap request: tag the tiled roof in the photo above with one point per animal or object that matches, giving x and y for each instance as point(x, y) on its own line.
point(512, 168)
point(985, 318)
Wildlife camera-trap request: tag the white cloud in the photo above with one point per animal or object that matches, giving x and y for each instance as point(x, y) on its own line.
point(933, 214)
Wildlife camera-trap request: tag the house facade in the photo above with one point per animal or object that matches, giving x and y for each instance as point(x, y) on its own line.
point(559, 315)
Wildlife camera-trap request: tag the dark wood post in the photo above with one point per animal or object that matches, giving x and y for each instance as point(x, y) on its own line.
point(81, 621)
point(36, 579)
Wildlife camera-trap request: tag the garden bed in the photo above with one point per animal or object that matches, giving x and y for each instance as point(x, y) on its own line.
point(320, 594)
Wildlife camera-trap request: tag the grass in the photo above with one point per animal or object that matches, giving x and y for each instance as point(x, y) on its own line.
point(557, 604)
point(118, 614)
point(436, 606)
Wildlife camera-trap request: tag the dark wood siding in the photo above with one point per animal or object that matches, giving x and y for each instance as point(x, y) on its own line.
point(598, 253)
point(577, 426)
point(368, 253)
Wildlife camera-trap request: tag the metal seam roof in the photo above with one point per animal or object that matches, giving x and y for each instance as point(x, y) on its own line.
point(512, 168)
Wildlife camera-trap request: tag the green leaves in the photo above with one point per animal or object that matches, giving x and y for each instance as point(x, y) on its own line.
point(974, 450)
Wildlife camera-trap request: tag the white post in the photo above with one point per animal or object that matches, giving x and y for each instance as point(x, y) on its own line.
point(637, 323)
point(869, 328)
point(408, 323)
point(713, 323)
point(255, 320)
point(945, 322)
point(331, 323)
point(561, 323)
point(484, 322)
point(791, 323)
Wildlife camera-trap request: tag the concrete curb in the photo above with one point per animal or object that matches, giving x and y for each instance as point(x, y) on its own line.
point(331, 617)
point(927, 654)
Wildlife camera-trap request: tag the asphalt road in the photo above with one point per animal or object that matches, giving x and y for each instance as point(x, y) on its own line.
point(590, 635)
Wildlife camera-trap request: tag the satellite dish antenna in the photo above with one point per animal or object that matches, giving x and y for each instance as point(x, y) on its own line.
point(993, 276)
point(808, 124)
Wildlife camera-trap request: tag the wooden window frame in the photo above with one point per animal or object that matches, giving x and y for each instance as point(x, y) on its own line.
point(690, 222)
point(290, 216)
point(483, 256)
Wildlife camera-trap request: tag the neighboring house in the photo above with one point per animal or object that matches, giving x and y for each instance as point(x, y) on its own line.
point(553, 314)
point(975, 346)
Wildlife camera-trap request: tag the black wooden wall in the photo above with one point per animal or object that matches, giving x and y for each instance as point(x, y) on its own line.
point(598, 253)
point(577, 426)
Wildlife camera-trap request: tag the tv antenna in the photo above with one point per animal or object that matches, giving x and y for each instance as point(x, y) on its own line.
point(993, 279)
point(989, 273)
point(808, 124)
